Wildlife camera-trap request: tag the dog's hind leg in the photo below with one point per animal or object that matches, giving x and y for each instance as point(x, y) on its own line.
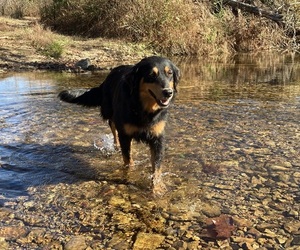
point(115, 133)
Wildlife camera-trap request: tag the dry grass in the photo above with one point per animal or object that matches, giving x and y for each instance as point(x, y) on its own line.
point(21, 8)
point(168, 27)
point(177, 27)
point(45, 41)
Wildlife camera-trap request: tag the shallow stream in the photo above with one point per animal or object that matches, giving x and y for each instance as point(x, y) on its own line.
point(232, 145)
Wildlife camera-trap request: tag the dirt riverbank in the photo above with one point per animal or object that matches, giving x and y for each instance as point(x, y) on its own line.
point(20, 52)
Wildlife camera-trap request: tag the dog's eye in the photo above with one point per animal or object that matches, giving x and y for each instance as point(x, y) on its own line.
point(153, 75)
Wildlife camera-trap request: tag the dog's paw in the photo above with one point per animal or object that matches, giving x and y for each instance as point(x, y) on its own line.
point(158, 186)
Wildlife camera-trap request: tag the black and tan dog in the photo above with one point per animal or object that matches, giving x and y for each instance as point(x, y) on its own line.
point(135, 100)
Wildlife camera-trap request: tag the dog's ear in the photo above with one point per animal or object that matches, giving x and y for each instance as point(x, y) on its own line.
point(176, 75)
point(132, 78)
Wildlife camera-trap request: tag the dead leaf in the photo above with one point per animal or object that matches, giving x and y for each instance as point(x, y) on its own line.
point(220, 227)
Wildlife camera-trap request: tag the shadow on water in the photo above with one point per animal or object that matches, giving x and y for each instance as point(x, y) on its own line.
point(29, 165)
point(24, 166)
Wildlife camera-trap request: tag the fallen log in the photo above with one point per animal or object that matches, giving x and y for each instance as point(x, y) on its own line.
point(278, 18)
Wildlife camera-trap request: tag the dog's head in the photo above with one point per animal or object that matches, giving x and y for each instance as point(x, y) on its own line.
point(157, 79)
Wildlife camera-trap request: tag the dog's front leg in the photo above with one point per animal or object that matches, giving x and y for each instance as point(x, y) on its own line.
point(157, 153)
point(125, 143)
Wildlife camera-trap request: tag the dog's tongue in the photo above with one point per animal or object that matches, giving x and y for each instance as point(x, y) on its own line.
point(164, 101)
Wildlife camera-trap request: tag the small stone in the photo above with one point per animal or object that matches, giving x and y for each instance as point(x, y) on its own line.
point(247, 246)
point(283, 177)
point(296, 174)
point(56, 245)
point(224, 187)
point(262, 241)
point(117, 201)
point(76, 243)
point(278, 168)
point(180, 244)
point(231, 163)
point(281, 240)
point(223, 244)
point(29, 204)
point(3, 243)
point(83, 64)
point(242, 239)
point(296, 240)
point(293, 213)
point(147, 241)
point(254, 232)
point(261, 227)
point(287, 164)
point(5, 212)
point(210, 210)
point(192, 245)
point(119, 242)
point(12, 232)
point(256, 180)
point(270, 234)
point(241, 222)
point(292, 227)
point(170, 231)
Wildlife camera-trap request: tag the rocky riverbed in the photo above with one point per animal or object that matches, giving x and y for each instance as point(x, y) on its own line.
point(233, 176)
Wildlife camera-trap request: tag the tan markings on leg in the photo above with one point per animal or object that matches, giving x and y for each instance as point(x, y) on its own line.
point(130, 129)
point(128, 162)
point(158, 128)
point(115, 134)
point(148, 101)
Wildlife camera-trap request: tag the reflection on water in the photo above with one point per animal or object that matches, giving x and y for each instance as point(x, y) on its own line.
point(243, 112)
point(266, 77)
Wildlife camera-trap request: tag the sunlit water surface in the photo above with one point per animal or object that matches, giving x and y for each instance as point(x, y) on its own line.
point(236, 117)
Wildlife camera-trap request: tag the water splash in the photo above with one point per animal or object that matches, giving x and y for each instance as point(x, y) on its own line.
point(105, 144)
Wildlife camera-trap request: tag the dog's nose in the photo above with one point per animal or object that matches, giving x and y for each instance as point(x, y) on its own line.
point(167, 92)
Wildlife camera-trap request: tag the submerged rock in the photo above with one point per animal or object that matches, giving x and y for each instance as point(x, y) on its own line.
point(148, 241)
point(76, 243)
point(210, 210)
point(3, 243)
point(12, 232)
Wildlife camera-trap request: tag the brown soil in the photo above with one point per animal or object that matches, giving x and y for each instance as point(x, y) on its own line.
point(18, 52)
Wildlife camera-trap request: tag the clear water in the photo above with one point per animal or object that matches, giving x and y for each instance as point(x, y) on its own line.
point(234, 118)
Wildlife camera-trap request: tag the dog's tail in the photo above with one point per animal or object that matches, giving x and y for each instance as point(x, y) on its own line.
point(89, 98)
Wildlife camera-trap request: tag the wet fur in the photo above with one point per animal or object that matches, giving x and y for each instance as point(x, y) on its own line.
point(135, 100)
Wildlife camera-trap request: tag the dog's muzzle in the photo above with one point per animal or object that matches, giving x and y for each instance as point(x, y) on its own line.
point(165, 99)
